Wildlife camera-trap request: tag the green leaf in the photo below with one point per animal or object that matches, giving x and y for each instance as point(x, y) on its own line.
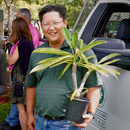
point(61, 62)
point(76, 50)
point(88, 46)
point(64, 70)
point(110, 62)
point(110, 71)
point(55, 59)
point(84, 65)
point(51, 51)
point(80, 43)
point(116, 72)
point(102, 72)
point(75, 40)
point(93, 40)
point(89, 57)
point(83, 93)
point(38, 68)
point(108, 57)
point(99, 69)
point(75, 92)
point(67, 36)
point(46, 63)
point(83, 57)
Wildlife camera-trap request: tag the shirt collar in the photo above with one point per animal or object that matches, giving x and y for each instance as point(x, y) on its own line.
point(64, 45)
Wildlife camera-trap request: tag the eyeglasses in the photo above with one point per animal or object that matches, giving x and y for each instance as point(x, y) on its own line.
point(55, 24)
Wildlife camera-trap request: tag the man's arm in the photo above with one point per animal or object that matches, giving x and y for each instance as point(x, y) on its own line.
point(94, 95)
point(30, 104)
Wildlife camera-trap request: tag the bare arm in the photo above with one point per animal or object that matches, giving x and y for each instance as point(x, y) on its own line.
point(15, 56)
point(94, 96)
point(30, 104)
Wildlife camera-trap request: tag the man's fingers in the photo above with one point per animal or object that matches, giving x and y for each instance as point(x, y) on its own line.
point(87, 118)
point(83, 125)
point(31, 126)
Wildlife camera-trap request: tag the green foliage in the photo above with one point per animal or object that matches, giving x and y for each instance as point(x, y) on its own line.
point(0, 2)
point(73, 8)
point(33, 7)
point(4, 111)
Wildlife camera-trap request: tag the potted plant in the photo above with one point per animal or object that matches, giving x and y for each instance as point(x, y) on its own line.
point(76, 58)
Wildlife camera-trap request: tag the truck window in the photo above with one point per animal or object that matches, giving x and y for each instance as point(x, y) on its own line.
point(113, 23)
point(105, 24)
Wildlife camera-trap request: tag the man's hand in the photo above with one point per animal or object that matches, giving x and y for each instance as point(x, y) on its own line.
point(31, 122)
point(87, 119)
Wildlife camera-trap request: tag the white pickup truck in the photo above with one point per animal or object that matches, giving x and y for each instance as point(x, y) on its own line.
point(110, 21)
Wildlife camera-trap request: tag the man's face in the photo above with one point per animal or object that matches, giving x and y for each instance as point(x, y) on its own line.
point(19, 15)
point(51, 26)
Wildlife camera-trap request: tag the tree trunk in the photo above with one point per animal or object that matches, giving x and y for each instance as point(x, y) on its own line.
point(8, 5)
point(9, 24)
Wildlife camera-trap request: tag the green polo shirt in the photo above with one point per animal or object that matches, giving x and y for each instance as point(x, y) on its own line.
point(51, 94)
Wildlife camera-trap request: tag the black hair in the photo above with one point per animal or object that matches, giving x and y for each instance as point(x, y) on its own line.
point(58, 8)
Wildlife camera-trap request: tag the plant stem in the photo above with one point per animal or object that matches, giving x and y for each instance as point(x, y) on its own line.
point(86, 75)
point(74, 78)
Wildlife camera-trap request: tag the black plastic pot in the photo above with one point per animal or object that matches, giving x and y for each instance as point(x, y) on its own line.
point(76, 108)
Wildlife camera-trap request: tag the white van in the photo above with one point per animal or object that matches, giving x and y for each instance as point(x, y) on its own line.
point(110, 21)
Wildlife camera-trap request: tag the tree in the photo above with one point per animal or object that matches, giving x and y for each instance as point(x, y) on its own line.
point(10, 4)
point(73, 8)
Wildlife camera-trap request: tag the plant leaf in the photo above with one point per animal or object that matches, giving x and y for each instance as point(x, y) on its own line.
point(74, 93)
point(83, 57)
point(88, 46)
point(116, 72)
point(102, 73)
point(89, 57)
point(108, 57)
point(61, 62)
point(76, 50)
point(93, 40)
point(83, 93)
point(51, 51)
point(99, 69)
point(74, 40)
point(67, 36)
point(38, 68)
point(46, 63)
point(110, 62)
point(55, 59)
point(110, 71)
point(64, 70)
point(80, 43)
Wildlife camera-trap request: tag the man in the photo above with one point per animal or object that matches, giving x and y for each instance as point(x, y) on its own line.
point(43, 88)
point(25, 13)
point(12, 120)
